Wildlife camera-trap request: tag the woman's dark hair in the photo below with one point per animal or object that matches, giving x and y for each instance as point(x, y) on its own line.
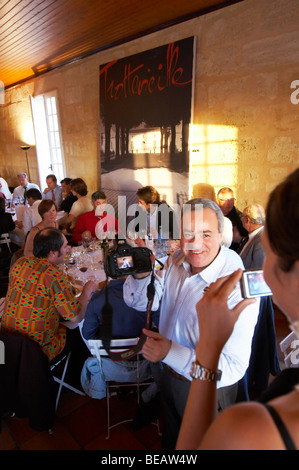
point(45, 205)
point(48, 239)
point(282, 221)
point(149, 195)
point(79, 186)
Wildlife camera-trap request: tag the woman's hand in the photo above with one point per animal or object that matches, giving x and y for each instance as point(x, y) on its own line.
point(215, 320)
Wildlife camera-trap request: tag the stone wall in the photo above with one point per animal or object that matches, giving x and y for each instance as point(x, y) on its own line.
point(245, 132)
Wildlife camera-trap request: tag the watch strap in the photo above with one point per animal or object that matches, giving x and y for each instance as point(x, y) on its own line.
point(202, 373)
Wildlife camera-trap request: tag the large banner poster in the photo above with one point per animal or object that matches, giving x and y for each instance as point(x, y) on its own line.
point(145, 115)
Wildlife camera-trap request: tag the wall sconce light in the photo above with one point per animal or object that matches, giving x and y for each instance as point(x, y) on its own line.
point(25, 148)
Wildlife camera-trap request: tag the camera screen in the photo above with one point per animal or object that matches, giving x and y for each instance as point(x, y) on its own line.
point(125, 262)
point(257, 285)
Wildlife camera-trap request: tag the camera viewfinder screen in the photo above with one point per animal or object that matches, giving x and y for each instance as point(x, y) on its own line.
point(257, 284)
point(125, 262)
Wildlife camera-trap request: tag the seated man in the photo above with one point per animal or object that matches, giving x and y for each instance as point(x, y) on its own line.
point(126, 323)
point(53, 191)
point(39, 296)
point(97, 221)
point(159, 216)
point(67, 195)
point(19, 193)
point(31, 215)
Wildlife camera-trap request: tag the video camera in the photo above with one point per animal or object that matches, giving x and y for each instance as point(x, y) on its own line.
point(126, 259)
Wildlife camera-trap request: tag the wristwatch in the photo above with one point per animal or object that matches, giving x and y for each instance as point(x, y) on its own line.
point(202, 373)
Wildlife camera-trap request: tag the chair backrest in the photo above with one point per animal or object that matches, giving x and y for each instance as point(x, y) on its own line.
point(5, 239)
point(116, 345)
point(26, 382)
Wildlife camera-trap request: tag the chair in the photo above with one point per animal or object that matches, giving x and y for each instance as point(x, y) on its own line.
point(5, 239)
point(116, 345)
point(26, 384)
point(288, 348)
point(61, 380)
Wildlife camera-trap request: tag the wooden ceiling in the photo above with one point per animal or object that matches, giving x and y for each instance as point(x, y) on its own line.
point(39, 35)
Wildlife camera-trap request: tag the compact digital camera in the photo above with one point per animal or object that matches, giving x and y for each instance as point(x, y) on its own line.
point(253, 284)
point(126, 259)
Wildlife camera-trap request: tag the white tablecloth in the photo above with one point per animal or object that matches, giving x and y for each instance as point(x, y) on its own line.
point(88, 265)
point(16, 212)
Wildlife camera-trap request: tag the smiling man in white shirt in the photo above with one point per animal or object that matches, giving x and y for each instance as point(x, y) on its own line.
point(180, 285)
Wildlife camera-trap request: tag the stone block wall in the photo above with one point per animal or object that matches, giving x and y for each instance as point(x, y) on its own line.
point(245, 127)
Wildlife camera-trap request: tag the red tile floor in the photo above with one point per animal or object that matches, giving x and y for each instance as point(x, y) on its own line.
point(81, 423)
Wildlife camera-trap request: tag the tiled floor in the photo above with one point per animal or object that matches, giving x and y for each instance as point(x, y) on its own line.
point(81, 423)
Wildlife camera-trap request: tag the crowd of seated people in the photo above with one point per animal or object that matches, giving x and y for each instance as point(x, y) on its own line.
point(193, 281)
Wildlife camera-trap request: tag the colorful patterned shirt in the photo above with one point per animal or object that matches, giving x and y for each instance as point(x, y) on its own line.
point(39, 295)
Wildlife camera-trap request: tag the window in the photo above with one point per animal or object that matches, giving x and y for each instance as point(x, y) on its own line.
point(48, 137)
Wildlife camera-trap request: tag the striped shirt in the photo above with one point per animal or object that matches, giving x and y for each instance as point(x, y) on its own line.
point(180, 291)
point(38, 295)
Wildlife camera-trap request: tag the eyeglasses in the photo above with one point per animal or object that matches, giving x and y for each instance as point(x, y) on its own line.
point(227, 200)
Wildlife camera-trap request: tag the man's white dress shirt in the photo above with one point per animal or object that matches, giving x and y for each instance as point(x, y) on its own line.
point(180, 291)
point(31, 217)
point(19, 192)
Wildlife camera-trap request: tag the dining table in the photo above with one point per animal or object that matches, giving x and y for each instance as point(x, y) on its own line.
point(83, 264)
point(86, 263)
point(16, 212)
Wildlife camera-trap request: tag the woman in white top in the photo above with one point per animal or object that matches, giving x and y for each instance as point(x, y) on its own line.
point(83, 204)
point(5, 189)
